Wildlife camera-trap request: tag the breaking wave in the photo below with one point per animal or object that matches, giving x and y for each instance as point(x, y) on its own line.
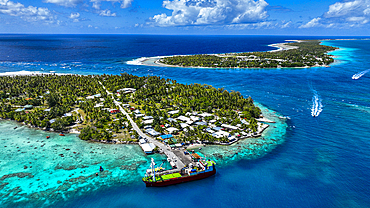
point(138, 61)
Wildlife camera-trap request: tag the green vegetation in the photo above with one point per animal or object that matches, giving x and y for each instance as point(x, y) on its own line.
point(309, 53)
point(62, 103)
point(58, 102)
point(157, 97)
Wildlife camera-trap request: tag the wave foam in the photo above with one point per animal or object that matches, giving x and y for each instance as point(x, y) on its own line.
point(138, 61)
point(316, 104)
point(360, 74)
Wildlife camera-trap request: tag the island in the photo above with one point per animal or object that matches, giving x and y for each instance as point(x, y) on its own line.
point(303, 53)
point(108, 108)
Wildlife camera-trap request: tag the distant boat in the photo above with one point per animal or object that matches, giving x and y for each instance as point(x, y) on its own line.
point(15, 127)
point(47, 137)
point(61, 135)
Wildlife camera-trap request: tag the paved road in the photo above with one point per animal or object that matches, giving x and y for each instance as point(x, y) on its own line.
point(167, 150)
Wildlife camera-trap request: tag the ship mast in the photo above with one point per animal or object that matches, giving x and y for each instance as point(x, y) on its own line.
point(152, 165)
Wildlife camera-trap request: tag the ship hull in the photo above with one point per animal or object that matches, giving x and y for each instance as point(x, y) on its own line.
point(180, 180)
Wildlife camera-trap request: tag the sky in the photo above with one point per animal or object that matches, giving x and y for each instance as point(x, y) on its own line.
point(187, 17)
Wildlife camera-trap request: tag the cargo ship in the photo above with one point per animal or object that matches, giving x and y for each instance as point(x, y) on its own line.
point(158, 177)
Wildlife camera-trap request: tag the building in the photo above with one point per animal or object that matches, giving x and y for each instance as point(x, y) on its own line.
point(230, 127)
point(148, 148)
point(114, 111)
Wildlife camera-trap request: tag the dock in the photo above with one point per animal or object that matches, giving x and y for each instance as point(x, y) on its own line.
point(177, 157)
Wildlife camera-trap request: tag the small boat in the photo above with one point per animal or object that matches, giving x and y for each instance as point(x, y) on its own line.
point(47, 137)
point(61, 135)
point(15, 127)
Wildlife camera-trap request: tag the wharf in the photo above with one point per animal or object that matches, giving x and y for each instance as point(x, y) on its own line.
point(179, 158)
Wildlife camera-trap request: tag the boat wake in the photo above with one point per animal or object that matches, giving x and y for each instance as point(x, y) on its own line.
point(360, 74)
point(316, 104)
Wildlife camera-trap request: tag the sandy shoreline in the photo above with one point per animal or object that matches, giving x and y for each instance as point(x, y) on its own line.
point(154, 61)
point(29, 73)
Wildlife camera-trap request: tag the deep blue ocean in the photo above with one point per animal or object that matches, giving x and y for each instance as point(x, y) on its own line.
point(324, 161)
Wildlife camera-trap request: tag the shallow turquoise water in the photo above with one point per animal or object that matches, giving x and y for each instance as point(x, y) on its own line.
point(32, 167)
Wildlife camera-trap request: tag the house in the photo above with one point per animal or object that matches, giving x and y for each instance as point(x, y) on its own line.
point(209, 130)
point(217, 128)
point(244, 121)
point(137, 112)
point(167, 136)
point(201, 123)
point(205, 114)
point(230, 127)
point(172, 130)
point(126, 90)
point(20, 109)
point(220, 134)
point(139, 115)
point(184, 119)
point(148, 127)
point(28, 106)
point(194, 118)
point(148, 148)
point(147, 117)
point(148, 121)
point(171, 120)
point(114, 111)
point(67, 114)
point(173, 112)
point(99, 105)
point(93, 96)
point(152, 132)
point(184, 125)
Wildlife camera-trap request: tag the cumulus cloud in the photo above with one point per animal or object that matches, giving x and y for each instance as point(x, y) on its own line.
point(107, 13)
point(207, 12)
point(124, 3)
point(314, 22)
point(66, 3)
point(344, 14)
point(74, 15)
point(29, 13)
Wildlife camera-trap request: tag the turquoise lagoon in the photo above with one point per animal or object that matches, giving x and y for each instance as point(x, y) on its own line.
point(44, 171)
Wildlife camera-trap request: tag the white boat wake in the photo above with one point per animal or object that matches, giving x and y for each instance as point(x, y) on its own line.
point(360, 74)
point(316, 104)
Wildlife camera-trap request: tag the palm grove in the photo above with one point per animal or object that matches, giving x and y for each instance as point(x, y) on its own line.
point(307, 54)
point(52, 96)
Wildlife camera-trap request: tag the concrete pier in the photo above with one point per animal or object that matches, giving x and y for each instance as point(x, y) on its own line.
point(176, 156)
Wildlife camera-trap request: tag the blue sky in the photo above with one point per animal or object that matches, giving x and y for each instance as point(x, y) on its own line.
point(213, 17)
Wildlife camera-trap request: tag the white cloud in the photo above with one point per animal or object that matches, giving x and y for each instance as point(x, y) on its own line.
point(206, 12)
point(340, 9)
point(344, 14)
point(124, 3)
point(66, 3)
point(313, 23)
point(89, 26)
point(29, 13)
point(286, 24)
point(74, 15)
point(107, 13)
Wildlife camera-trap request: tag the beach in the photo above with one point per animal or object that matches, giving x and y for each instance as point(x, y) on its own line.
point(155, 61)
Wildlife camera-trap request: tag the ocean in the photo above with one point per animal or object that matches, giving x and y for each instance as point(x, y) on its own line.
point(303, 161)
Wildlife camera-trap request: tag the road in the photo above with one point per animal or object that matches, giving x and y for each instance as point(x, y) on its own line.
point(166, 150)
